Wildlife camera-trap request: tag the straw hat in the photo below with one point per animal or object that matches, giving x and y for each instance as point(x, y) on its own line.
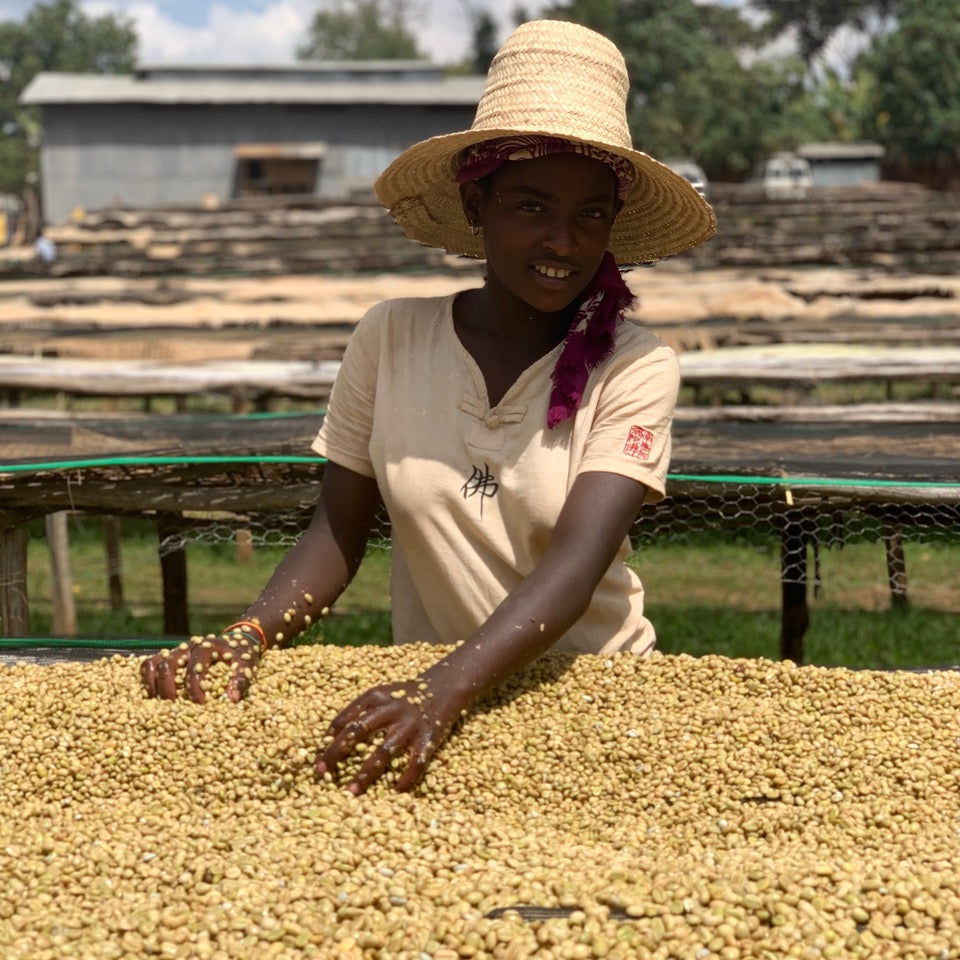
point(556, 79)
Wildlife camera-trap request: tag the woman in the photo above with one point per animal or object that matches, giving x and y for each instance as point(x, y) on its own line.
point(513, 431)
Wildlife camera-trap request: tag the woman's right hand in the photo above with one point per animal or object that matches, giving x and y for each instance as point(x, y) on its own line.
point(325, 558)
point(240, 651)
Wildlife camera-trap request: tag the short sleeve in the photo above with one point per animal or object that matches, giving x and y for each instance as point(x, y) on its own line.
point(633, 413)
point(344, 436)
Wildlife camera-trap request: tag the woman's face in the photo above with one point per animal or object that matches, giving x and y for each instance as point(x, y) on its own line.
point(546, 223)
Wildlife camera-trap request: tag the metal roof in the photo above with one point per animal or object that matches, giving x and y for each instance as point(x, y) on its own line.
point(829, 150)
point(323, 70)
point(48, 89)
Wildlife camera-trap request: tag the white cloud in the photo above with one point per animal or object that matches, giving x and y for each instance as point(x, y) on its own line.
point(444, 25)
point(228, 35)
point(233, 33)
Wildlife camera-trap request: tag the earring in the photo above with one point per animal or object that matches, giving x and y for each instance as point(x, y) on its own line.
point(475, 229)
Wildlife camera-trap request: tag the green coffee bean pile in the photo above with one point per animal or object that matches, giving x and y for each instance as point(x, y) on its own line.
point(700, 809)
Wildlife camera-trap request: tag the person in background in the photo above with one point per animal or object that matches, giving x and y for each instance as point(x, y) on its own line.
point(513, 431)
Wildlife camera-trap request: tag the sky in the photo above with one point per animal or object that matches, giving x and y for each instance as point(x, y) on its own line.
point(268, 31)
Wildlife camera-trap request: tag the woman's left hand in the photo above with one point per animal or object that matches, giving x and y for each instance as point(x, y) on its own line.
point(412, 721)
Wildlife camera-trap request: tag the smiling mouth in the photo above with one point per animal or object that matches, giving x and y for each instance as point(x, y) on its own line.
point(554, 273)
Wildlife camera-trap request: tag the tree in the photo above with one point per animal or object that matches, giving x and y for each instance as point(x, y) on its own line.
point(692, 90)
point(848, 103)
point(728, 116)
point(815, 22)
point(484, 30)
point(916, 71)
point(361, 30)
point(520, 14)
point(54, 35)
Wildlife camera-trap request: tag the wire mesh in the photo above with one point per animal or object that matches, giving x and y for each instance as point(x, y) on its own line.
point(798, 528)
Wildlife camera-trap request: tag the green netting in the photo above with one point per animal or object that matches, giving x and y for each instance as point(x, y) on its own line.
point(86, 643)
point(795, 521)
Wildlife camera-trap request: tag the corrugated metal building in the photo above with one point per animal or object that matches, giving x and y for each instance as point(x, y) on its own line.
point(205, 134)
point(843, 164)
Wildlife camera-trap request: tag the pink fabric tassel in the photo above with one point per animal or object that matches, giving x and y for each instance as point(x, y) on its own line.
point(590, 339)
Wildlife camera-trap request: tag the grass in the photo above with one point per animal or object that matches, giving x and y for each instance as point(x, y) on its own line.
point(713, 596)
point(201, 404)
point(221, 586)
point(724, 598)
point(837, 636)
point(823, 392)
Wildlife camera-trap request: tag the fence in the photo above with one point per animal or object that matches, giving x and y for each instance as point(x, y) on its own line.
point(799, 490)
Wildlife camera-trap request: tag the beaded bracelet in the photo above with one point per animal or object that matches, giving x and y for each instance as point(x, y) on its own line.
point(252, 625)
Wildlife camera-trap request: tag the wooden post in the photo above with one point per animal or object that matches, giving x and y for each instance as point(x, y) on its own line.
point(111, 538)
point(244, 541)
point(61, 576)
point(896, 567)
point(795, 617)
point(14, 606)
point(173, 570)
point(240, 403)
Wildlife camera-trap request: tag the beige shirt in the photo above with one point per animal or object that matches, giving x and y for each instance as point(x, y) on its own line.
point(473, 492)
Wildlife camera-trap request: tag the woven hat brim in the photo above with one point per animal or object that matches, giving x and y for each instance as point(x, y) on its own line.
point(663, 214)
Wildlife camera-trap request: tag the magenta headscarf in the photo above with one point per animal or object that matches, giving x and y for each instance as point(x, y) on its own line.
point(590, 339)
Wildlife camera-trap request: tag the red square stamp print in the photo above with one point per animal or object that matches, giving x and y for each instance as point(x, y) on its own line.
point(639, 443)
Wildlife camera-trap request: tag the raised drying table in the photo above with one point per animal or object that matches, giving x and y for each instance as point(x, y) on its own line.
point(897, 461)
